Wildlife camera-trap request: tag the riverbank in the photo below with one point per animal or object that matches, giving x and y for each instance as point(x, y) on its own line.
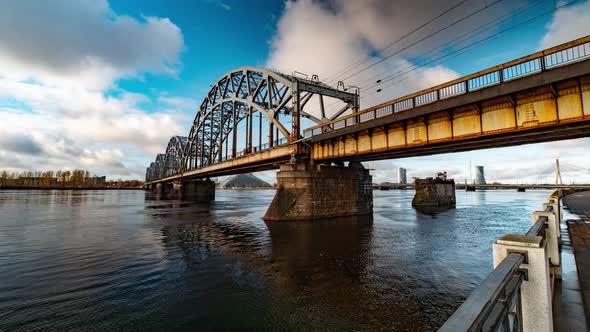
point(66, 188)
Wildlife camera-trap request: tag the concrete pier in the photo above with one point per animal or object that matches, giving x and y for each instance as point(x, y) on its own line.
point(191, 190)
point(198, 190)
point(434, 194)
point(309, 192)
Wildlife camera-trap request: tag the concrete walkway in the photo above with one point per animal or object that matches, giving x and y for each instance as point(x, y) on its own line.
point(573, 288)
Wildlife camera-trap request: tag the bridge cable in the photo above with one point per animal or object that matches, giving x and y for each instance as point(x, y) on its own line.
point(460, 39)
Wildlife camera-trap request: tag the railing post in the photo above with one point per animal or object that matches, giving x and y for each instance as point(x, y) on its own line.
point(552, 240)
point(554, 199)
point(535, 292)
point(555, 208)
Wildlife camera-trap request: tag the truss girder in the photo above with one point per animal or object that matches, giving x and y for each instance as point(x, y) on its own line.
point(234, 98)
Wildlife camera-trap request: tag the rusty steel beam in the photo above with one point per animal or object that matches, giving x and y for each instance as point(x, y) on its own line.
point(506, 89)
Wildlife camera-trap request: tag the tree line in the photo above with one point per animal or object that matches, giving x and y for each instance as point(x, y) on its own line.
point(62, 179)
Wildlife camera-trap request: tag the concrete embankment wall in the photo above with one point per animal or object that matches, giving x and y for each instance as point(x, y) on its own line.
point(308, 192)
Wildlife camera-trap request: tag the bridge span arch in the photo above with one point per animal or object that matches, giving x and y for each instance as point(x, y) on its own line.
point(267, 105)
point(241, 94)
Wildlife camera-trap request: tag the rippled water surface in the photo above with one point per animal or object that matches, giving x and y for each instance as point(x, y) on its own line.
point(116, 260)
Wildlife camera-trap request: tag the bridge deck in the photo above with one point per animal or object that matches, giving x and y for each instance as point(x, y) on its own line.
point(260, 161)
point(538, 98)
point(546, 100)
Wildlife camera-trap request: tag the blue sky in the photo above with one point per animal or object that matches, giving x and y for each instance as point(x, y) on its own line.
point(102, 85)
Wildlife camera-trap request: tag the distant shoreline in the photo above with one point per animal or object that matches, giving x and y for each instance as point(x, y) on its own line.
point(245, 188)
point(64, 188)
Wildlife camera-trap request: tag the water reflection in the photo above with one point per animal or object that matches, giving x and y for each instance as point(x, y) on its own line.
point(432, 210)
point(121, 261)
point(337, 250)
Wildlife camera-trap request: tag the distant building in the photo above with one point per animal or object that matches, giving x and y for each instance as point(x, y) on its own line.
point(100, 179)
point(401, 175)
point(479, 175)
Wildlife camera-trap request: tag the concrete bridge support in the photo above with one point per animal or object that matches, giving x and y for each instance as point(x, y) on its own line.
point(161, 189)
point(190, 190)
point(434, 194)
point(198, 190)
point(309, 192)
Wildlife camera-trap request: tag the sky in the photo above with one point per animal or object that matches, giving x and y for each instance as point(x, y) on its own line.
point(103, 85)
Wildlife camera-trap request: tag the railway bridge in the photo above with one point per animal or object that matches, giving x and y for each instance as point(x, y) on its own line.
point(256, 119)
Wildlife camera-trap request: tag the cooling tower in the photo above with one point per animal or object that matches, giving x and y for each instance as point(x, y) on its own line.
point(479, 177)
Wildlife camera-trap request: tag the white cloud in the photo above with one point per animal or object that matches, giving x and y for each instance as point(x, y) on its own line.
point(60, 63)
point(318, 39)
point(182, 103)
point(85, 44)
point(568, 23)
point(325, 38)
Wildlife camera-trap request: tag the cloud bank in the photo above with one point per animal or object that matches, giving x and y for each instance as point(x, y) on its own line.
point(567, 24)
point(59, 102)
point(325, 38)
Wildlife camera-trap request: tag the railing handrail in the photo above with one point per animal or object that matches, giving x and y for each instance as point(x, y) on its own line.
point(537, 227)
point(474, 311)
point(521, 60)
point(252, 150)
point(485, 308)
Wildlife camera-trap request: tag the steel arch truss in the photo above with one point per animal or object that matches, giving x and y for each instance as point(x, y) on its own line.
point(167, 164)
point(156, 169)
point(173, 156)
point(238, 95)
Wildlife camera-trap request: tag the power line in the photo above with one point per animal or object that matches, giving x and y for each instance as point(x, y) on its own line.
point(424, 38)
point(456, 41)
point(460, 39)
point(463, 49)
point(367, 58)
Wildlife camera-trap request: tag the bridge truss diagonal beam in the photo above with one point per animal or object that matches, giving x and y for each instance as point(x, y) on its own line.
point(247, 97)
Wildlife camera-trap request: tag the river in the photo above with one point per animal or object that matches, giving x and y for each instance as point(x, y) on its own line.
point(117, 260)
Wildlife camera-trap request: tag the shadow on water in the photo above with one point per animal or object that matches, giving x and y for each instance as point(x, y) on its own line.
point(307, 274)
point(432, 210)
point(297, 246)
point(123, 261)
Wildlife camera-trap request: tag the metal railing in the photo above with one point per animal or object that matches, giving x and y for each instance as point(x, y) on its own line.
point(244, 152)
point(551, 58)
point(496, 304)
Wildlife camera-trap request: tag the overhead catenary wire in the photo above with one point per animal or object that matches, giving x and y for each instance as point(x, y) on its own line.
point(458, 40)
point(369, 57)
point(423, 39)
point(465, 48)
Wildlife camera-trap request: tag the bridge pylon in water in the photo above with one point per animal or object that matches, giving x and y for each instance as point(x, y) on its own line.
point(307, 192)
